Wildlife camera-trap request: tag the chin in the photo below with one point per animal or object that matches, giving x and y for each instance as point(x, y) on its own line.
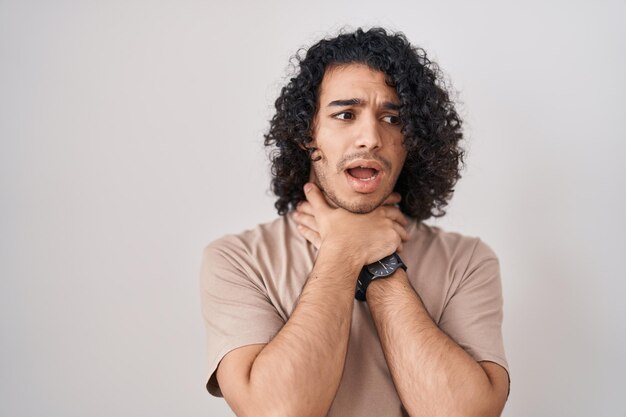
point(362, 209)
point(359, 205)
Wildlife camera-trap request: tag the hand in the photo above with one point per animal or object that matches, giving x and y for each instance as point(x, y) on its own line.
point(369, 237)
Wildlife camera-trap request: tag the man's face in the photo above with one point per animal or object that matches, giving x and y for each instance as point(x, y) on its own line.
point(357, 133)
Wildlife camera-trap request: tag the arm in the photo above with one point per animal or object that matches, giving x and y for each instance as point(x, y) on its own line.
point(299, 371)
point(433, 375)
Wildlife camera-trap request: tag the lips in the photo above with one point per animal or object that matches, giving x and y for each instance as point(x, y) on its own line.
point(365, 163)
point(364, 176)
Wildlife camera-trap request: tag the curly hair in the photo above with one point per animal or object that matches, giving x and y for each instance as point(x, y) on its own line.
point(430, 124)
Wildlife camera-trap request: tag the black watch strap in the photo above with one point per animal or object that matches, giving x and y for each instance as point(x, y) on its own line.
point(379, 269)
point(361, 287)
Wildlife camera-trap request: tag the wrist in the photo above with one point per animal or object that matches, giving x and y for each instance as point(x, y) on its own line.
point(382, 269)
point(332, 263)
point(389, 287)
point(340, 251)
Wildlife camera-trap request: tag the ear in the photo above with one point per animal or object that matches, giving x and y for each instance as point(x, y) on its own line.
point(309, 146)
point(311, 135)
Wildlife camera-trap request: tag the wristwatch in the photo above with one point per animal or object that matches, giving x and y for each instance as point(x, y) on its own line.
point(379, 269)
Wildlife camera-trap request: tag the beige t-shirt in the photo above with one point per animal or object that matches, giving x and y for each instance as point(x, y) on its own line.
point(250, 285)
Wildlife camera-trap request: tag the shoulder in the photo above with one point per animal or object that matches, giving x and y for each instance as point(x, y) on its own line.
point(453, 242)
point(452, 250)
point(250, 251)
point(249, 241)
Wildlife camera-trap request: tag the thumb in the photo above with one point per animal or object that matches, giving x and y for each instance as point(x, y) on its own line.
point(315, 197)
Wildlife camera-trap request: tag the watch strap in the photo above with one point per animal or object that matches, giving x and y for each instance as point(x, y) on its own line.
point(365, 277)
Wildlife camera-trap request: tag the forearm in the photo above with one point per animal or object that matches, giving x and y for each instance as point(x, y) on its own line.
point(433, 375)
point(299, 371)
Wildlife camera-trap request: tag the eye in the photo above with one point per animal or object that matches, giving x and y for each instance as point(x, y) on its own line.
point(344, 115)
point(392, 119)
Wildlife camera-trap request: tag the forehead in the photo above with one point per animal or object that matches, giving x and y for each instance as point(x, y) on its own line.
point(355, 81)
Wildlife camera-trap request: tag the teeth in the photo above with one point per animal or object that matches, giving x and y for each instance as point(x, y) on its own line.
point(376, 172)
point(370, 178)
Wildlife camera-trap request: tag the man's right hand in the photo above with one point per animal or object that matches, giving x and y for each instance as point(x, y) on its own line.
point(365, 238)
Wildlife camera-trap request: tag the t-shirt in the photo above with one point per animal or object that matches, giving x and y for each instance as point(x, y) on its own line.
point(250, 284)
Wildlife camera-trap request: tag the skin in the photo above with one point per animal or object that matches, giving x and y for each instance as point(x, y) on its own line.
point(433, 375)
point(368, 129)
point(299, 371)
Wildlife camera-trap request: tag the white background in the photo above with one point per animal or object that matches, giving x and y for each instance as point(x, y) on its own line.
point(131, 136)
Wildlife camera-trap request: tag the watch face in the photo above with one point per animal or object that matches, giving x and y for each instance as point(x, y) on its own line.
point(384, 267)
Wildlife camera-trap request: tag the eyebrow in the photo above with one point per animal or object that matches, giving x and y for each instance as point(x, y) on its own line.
point(358, 102)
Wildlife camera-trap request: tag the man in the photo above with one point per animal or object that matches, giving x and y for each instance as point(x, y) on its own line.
point(348, 305)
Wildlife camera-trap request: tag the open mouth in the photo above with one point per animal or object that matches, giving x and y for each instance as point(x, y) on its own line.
point(364, 176)
point(363, 173)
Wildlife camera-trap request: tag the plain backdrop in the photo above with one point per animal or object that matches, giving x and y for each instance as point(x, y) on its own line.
point(131, 136)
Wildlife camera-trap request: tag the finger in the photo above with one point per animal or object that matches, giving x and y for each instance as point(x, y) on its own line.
point(402, 232)
point(306, 220)
point(392, 199)
point(310, 235)
point(315, 197)
point(396, 215)
point(305, 207)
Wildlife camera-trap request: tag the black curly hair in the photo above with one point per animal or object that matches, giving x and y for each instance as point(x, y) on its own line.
point(430, 123)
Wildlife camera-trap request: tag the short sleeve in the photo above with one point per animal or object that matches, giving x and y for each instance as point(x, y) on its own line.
point(473, 315)
point(235, 306)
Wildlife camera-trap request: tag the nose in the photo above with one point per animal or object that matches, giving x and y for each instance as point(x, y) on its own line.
point(369, 135)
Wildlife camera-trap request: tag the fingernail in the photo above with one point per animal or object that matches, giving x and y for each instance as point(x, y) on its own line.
point(307, 187)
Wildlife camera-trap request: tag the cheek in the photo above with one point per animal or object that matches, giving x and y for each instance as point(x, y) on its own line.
point(330, 150)
point(399, 162)
point(404, 154)
point(399, 151)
